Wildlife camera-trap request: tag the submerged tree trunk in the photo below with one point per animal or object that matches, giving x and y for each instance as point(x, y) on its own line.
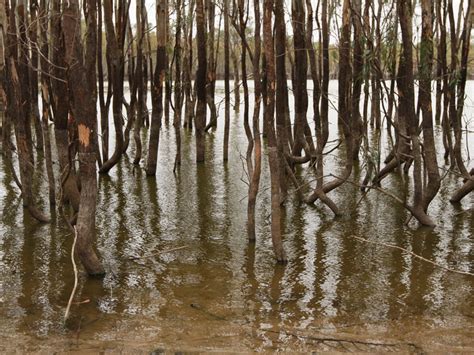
point(405, 83)
point(235, 68)
point(178, 96)
point(272, 139)
point(325, 74)
point(226, 79)
point(138, 83)
point(283, 129)
point(344, 111)
point(468, 185)
point(358, 78)
point(187, 67)
point(45, 97)
point(211, 65)
point(426, 65)
point(18, 104)
point(115, 42)
point(255, 144)
point(60, 104)
point(300, 79)
point(83, 108)
point(201, 74)
point(16, 112)
point(157, 88)
point(33, 74)
point(104, 104)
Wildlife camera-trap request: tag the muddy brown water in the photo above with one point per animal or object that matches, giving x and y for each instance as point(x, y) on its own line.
point(217, 292)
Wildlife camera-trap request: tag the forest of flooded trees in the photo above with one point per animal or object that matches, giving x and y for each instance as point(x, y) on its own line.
point(311, 105)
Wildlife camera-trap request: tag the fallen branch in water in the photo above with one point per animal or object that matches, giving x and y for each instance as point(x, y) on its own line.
point(462, 212)
point(413, 254)
point(66, 315)
point(82, 302)
point(341, 341)
point(323, 339)
point(158, 253)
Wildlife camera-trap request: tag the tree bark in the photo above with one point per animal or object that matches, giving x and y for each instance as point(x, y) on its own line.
point(201, 74)
point(272, 139)
point(157, 88)
point(426, 65)
point(405, 83)
point(45, 97)
point(188, 64)
point(226, 79)
point(85, 113)
point(115, 41)
point(17, 104)
point(178, 96)
point(211, 65)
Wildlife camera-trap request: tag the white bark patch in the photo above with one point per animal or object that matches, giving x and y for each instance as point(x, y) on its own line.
point(84, 134)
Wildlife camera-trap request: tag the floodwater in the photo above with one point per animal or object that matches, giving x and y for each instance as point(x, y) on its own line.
point(198, 285)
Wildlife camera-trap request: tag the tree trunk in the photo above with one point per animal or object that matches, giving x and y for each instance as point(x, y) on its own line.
point(235, 68)
point(281, 95)
point(139, 83)
point(256, 144)
point(33, 75)
point(226, 79)
point(344, 112)
point(115, 42)
point(358, 78)
point(211, 65)
point(17, 104)
point(104, 112)
point(468, 185)
point(272, 140)
point(45, 97)
point(425, 70)
point(60, 105)
point(157, 88)
point(177, 85)
point(83, 109)
point(405, 83)
point(188, 66)
point(201, 74)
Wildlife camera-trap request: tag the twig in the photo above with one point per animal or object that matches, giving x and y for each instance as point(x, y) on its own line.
point(415, 255)
point(66, 314)
point(158, 253)
point(460, 213)
point(396, 198)
point(328, 339)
